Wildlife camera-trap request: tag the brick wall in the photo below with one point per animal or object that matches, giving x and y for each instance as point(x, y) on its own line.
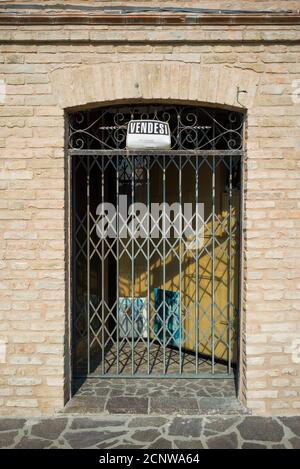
point(33, 324)
point(244, 4)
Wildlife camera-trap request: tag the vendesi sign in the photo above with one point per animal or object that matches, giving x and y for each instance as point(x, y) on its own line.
point(148, 135)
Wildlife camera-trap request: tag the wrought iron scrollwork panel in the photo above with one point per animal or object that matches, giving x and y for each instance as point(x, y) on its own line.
point(192, 128)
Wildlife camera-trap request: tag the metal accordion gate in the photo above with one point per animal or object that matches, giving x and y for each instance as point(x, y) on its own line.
point(156, 239)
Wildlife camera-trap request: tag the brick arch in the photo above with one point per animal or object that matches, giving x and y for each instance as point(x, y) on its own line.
point(123, 82)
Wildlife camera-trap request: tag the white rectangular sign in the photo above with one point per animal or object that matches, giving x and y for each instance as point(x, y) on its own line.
point(148, 134)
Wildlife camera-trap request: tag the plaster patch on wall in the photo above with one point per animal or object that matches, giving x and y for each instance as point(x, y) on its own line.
point(2, 351)
point(2, 91)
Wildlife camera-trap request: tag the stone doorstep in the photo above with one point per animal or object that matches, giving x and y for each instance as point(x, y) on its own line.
point(170, 397)
point(116, 406)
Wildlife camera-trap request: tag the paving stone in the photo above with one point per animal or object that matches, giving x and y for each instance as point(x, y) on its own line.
point(293, 423)
point(49, 428)
point(219, 424)
point(278, 447)
point(85, 422)
point(147, 422)
point(107, 444)
point(11, 424)
point(162, 443)
point(192, 444)
point(88, 392)
point(295, 443)
point(219, 405)
point(247, 445)
point(166, 405)
point(127, 405)
point(142, 392)
point(223, 442)
point(131, 389)
point(128, 446)
point(33, 443)
point(7, 438)
point(186, 427)
point(85, 405)
point(117, 393)
point(207, 433)
point(104, 392)
point(202, 393)
point(87, 439)
point(260, 429)
point(146, 435)
point(112, 444)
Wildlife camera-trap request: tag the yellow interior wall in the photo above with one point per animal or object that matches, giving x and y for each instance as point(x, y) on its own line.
point(187, 282)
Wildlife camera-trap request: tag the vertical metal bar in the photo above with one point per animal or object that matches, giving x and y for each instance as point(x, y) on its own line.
point(197, 265)
point(213, 268)
point(240, 250)
point(164, 263)
point(148, 263)
point(213, 254)
point(229, 265)
point(74, 273)
point(197, 260)
point(88, 263)
point(117, 261)
point(69, 251)
point(102, 273)
point(180, 261)
point(132, 267)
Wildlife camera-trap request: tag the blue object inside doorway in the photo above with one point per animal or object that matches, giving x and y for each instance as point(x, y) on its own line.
point(167, 319)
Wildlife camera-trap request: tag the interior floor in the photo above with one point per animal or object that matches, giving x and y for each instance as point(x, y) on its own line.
point(156, 360)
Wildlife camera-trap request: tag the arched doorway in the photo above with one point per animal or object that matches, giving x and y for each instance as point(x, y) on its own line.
point(165, 303)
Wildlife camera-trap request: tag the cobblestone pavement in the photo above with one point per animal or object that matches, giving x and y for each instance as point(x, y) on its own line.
point(155, 396)
point(165, 432)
